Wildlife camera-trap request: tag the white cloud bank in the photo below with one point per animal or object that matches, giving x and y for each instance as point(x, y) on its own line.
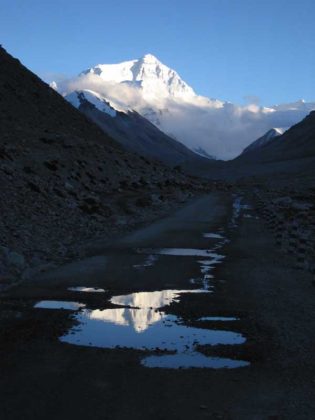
point(220, 128)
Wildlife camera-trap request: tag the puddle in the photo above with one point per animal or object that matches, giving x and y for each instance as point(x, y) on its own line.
point(139, 322)
point(205, 269)
point(213, 235)
point(237, 208)
point(142, 326)
point(86, 289)
point(148, 262)
point(195, 360)
point(218, 318)
point(184, 252)
point(206, 265)
point(142, 329)
point(59, 304)
point(208, 262)
point(236, 211)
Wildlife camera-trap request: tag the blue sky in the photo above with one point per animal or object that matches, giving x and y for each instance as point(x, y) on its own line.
point(226, 49)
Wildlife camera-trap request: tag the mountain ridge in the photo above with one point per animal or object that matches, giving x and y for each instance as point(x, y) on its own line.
point(132, 130)
point(157, 92)
point(64, 180)
point(155, 79)
point(262, 141)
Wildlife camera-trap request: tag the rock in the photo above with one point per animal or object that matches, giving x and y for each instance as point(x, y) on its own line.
point(34, 187)
point(144, 201)
point(51, 165)
point(90, 206)
point(32, 272)
point(156, 198)
point(4, 251)
point(16, 260)
point(68, 186)
point(6, 280)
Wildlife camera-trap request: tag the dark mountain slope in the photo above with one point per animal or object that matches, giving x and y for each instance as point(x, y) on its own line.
point(286, 159)
point(296, 143)
point(262, 141)
point(62, 179)
point(134, 132)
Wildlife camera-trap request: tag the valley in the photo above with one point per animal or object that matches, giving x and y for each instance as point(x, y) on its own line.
point(157, 249)
point(218, 128)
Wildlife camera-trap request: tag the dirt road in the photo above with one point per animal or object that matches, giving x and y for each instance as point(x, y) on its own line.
point(253, 294)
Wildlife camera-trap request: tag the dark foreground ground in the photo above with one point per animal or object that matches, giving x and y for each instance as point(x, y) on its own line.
point(42, 378)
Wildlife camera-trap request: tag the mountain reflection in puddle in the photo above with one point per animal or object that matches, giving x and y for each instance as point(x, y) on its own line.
point(148, 328)
point(142, 329)
point(152, 300)
point(138, 321)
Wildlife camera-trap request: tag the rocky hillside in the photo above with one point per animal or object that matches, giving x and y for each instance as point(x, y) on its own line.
point(264, 140)
point(298, 142)
point(63, 180)
point(284, 160)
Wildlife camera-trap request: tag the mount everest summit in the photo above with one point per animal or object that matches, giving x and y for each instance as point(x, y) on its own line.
point(154, 91)
point(155, 80)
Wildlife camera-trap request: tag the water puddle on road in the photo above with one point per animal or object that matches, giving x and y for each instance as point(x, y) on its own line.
point(152, 300)
point(59, 304)
point(194, 360)
point(213, 235)
point(218, 318)
point(86, 289)
point(183, 252)
point(238, 207)
point(148, 262)
point(142, 325)
point(206, 265)
point(139, 320)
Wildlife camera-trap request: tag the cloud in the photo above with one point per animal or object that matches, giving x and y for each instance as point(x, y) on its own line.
point(221, 128)
point(122, 96)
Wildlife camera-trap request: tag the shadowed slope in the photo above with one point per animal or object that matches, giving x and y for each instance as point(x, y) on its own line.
point(62, 179)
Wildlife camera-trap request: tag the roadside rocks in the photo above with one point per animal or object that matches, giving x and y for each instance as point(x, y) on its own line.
point(12, 265)
point(291, 217)
point(144, 201)
point(46, 210)
point(12, 259)
point(64, 181)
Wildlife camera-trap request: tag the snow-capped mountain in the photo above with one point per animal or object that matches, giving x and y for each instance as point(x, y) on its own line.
point(293, 151)
point(265, 139)
point(155, 80)
point(76, 98)
point(158, 93)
